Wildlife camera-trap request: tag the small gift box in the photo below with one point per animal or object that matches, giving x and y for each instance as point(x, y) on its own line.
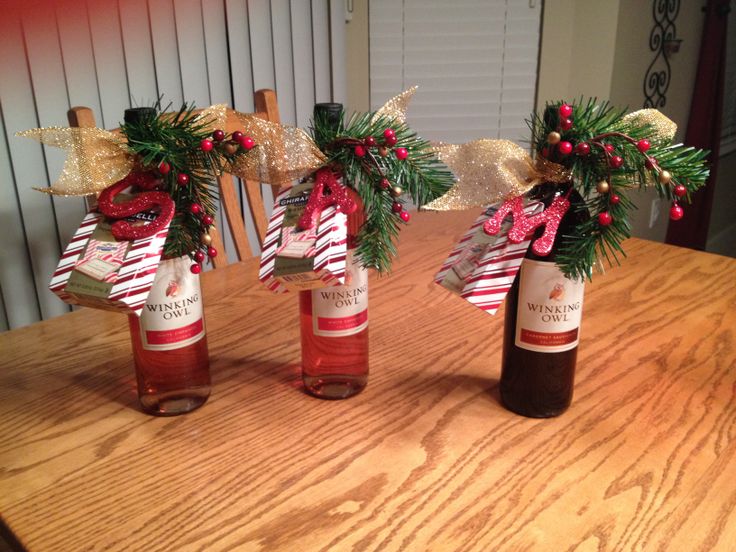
point(482, 267)
point(295, 259)
point(98, 271)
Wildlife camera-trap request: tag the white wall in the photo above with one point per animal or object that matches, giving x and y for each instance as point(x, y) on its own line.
point(114, 54)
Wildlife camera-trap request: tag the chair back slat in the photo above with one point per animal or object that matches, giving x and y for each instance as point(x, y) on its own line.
point(81, 116)
point(257, 208)
point(231, 207)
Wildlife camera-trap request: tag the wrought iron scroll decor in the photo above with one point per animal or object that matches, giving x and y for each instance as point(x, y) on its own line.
point(657, 79)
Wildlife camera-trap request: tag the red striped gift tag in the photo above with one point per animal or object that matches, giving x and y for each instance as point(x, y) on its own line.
point(482, 268)
point(327, 255)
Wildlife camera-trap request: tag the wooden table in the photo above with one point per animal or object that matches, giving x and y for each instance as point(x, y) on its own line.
point(424, 459)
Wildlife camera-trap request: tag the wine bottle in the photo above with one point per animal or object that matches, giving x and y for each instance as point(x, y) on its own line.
point(334, 320)
point(170, 344)
point(169, 341)
point(542, 325)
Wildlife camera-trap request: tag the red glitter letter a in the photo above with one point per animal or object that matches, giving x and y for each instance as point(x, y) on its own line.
point(337, 195)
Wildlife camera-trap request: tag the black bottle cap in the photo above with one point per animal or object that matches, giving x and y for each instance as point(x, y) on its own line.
point(551, 116)
point(329, 112)
point(137, 114)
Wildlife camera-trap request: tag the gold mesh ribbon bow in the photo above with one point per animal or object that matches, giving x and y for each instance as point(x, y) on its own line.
point(283, 153)
point(489, 171)
point(287, 153)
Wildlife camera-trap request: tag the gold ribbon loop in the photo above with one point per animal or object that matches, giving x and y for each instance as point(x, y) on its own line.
point(214, 117)
point(487, 171)
point(661, 129)
point(395, 108)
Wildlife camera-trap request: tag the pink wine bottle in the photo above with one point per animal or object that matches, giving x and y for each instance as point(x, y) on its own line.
point(334, 320)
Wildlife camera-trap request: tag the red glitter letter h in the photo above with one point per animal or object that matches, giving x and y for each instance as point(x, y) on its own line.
point(549, 218)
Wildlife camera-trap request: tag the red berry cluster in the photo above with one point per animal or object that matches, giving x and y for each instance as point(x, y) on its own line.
point(389, 141)
point(363, 147)
point(665, 178)
point(225, 146)
point(564, 148)
point(207, 220)
point(398, 208)
point(237, 138)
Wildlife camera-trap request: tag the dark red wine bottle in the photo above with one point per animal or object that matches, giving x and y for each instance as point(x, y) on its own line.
point(542, 325)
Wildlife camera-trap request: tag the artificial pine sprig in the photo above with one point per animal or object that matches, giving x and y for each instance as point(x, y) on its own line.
point(608, 155)
point(186, 155)
point(381, 159)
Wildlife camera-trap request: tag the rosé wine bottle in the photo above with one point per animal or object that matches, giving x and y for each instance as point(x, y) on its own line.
point(169, 343)
point(334, 320)
point(334, 327)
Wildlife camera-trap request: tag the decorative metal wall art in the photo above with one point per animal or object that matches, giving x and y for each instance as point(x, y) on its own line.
point(663, 42)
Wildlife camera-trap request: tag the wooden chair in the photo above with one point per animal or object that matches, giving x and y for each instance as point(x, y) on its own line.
point(266, 108)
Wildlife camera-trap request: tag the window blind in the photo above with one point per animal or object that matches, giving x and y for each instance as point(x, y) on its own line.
point(474, 61)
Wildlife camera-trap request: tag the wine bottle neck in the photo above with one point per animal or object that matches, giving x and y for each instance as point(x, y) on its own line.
point(548, 191)
point(575, 215)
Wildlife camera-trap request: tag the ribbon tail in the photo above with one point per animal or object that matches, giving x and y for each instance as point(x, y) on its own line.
point(214, 117)
point(282, 153)
point(395, 108)
point(661, 129)
point(487, 171)
point(96, 158)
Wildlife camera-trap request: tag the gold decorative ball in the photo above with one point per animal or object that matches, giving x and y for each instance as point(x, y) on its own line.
point(396, 191)
point(206, 239)
point(383, 152)
point(553, 138)
point(602, 187)
point(665, 177)
point(231, 148)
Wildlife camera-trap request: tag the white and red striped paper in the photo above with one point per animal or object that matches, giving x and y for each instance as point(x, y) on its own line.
point(329, 252)
point(487, 270)
point(132, 281)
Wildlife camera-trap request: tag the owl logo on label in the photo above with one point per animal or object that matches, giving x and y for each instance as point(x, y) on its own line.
point(172, 290)
point(558, 292)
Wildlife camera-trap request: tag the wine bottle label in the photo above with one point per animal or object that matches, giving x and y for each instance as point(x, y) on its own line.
point(550, 308)
point(342, 310)
point(172, 316)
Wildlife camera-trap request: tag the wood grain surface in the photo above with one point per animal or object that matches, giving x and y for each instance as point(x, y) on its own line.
point(424, 459)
